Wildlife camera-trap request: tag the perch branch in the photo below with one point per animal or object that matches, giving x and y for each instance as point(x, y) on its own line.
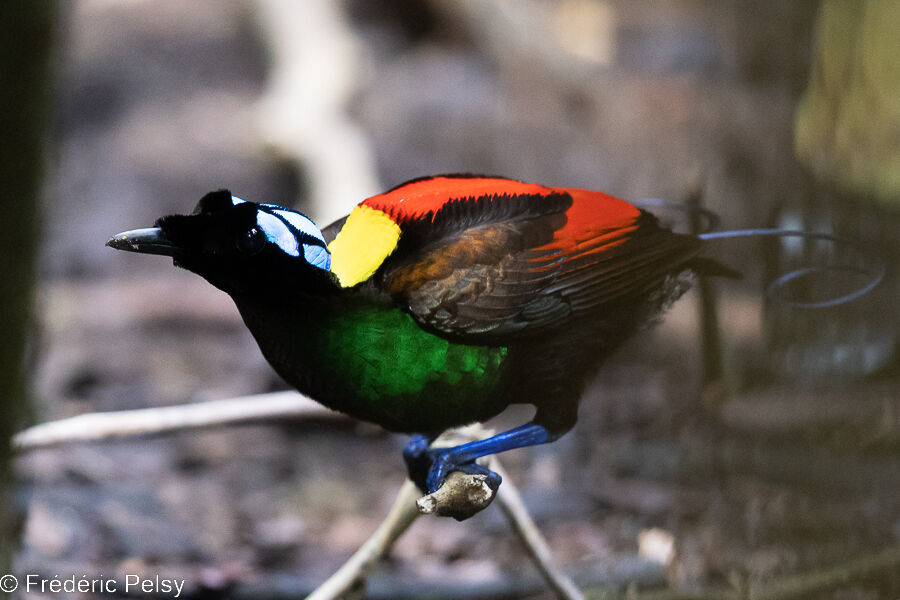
point(464, 495)
point(280, 405)
point(521, 522)
point(353, 572)
point(107, 425)
point(461, 496)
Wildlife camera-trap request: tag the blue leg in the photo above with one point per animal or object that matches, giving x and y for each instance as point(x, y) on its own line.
point(445, 460)
point(418, 458)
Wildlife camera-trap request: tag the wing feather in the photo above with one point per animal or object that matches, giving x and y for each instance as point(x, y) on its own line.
point(491, 260)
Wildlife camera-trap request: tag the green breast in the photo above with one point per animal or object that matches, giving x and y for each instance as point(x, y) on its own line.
point(391, 371)
point(372, 361)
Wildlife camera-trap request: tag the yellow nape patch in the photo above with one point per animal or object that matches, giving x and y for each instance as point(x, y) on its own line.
point(366, 239)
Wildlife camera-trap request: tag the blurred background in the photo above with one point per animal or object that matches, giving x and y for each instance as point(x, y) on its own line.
point(756, 443)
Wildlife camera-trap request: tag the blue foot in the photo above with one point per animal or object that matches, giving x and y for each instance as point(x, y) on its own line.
point(428, 467)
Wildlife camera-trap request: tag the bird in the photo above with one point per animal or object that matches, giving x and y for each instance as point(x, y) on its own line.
point(441, 301)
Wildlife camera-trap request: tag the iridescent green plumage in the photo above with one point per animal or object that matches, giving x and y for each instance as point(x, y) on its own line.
point(384, 354)
point(376, 363)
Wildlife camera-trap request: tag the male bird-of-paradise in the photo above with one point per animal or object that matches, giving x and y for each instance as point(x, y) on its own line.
point(441, 301)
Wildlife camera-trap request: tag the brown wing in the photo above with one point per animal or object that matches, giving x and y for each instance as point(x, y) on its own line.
point(500, 281)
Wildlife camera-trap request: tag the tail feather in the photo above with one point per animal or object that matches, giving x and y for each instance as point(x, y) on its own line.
point(703, 265)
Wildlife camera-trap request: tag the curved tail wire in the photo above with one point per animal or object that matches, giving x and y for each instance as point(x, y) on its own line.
point(710, 221)
point(875, 274)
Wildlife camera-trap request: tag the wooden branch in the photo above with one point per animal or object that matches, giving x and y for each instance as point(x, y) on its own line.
point(353, 572)
point(460, 497)
point(463, 495)
point(108, 425)
point(521, 522)
point(351, 576)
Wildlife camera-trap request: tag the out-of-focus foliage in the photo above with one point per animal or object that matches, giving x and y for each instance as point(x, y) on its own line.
point(848, 122)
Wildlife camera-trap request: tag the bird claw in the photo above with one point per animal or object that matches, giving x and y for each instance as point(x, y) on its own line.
point(430, 467)
point(442, 466)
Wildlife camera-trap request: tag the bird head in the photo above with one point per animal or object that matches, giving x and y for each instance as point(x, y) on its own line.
point(240, 247)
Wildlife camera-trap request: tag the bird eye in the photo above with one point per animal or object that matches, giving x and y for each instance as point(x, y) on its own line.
point(251, 241)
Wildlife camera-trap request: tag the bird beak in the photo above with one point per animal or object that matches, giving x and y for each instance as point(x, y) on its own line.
point(151, 240)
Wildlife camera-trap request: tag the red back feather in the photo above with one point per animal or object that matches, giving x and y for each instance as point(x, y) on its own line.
point(420, 197)
point(591, 212)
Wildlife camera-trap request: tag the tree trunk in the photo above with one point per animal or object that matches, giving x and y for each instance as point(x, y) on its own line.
point(26, 33)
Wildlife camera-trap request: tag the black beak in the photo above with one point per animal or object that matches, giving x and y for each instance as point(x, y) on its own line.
point(151, 240)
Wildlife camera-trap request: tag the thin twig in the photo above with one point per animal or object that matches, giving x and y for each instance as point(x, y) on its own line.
point(106, 425)
point(361, 563)
point(358, 567)
point(521, 522)
point(280, 405)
